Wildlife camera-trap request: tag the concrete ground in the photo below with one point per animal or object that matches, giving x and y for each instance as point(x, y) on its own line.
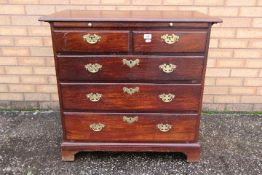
point(29, 145)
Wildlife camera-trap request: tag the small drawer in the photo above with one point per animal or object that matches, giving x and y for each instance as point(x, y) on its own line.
point(135, 127)
point(130, 68)
point(133, 97)
point(91, 41)
point(170, 41)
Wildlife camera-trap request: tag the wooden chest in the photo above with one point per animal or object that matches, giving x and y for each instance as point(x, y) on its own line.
point(130, 80)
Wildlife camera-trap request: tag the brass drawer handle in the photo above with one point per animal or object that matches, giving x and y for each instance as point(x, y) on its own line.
point(167, 97)
point(131, 63)
point(164, 127)
point(170, 39)
point(130, 119)
point(167, 68)
point(91, 38)
point(130, 91)
point(94, 97)
point(96, 126)
point(93, 68)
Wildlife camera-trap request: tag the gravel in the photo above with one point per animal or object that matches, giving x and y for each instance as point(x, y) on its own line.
point(30, 145)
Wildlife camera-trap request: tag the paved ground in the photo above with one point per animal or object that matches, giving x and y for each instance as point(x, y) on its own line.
point(29, 145)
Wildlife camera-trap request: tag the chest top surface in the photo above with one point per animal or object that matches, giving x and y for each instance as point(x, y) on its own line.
point(130, 16)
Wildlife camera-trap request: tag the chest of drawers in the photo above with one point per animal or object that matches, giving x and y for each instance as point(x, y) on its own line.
point(130, 80)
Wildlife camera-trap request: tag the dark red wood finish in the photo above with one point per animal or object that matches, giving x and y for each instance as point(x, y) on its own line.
point(72, 41)
point(130, 16)
point(146, 100)
point(77, 126)
point(123, 35)
point(72, 68)
point(189, 41)
point(191, 150)
point(129, 25)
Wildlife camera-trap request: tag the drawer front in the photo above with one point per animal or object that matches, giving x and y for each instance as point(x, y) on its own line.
point(170, 41)
point(129, 127)
point(131, 97)
point(130, 68)
point(91, 41)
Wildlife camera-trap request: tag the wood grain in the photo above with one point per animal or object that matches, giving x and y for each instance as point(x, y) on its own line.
point(129, 16)
point(191, 150)
point(146, 100)
point(189, 41)
point(122, 34)
point(143, 130)
point(111, 41)
point(72, 68)
point(129, 25)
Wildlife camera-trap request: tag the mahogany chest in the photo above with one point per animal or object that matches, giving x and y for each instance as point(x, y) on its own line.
point(130, 80)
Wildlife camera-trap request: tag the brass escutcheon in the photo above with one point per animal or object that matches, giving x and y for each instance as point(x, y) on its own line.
point(167, 68)
point(131, 63)
point(91, 38)
point(170, 39)
point(97, 126)
point(93, 68)
point(94, 97)
point(130, 91)
point(164, 127)
point(130, 119)
point(167, 97)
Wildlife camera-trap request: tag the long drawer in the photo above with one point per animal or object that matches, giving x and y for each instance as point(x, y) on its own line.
point(129, 127)
point(130, 68)
point(130, 97)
